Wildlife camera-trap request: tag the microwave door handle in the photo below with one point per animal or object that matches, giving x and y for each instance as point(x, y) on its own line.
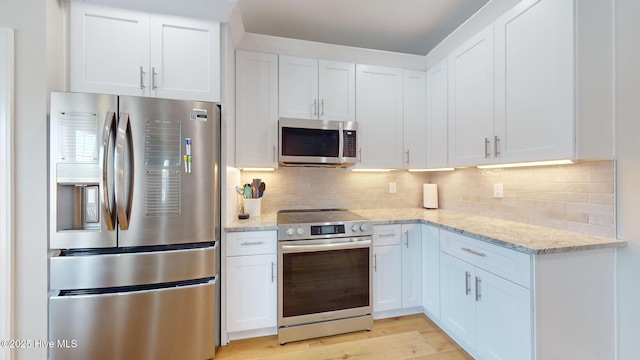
point(341, 140)
point(107, 131)
point(123, 137)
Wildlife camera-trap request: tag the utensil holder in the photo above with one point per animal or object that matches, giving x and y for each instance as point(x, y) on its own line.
point(252, 207)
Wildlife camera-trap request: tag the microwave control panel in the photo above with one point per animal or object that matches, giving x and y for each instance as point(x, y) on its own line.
point(350, 146)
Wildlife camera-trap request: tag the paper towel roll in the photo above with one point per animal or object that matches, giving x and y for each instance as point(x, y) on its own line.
point(430, 196)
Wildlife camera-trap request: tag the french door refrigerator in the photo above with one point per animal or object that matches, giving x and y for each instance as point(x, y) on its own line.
point(134, 226)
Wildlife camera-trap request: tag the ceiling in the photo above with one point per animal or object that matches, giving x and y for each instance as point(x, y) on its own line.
point(405, 26)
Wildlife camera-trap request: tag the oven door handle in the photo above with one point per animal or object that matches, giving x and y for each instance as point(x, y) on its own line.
point(326, 247)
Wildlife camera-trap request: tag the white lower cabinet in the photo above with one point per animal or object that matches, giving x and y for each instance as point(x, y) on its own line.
point(488, 313)
point(397, 276)
point(251, 282)
point(431, 270)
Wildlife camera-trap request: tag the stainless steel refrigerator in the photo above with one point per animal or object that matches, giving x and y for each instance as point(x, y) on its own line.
point(134, 227)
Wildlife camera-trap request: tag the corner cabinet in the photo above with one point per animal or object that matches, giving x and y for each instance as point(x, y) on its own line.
point(251, 286)
point(316, 89)
point(414, 119)
point(379, 102)
point(437, 118)
point(127, 52)
point(256, 109)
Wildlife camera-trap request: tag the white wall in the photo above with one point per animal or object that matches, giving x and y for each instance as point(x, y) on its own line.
point(628, 176)
point(38, 59)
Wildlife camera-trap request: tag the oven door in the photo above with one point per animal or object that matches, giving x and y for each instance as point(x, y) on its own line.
point(324, 279)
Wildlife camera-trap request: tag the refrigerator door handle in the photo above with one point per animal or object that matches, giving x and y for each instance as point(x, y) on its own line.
point(107, 132)
point(123, 138)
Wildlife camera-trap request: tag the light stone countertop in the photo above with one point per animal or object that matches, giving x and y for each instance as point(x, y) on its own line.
point(530, 239)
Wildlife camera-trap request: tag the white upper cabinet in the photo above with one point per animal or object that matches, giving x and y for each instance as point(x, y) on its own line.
point(185, 58)
point(256, 109)
point(471, 133)
point(379, 115)
point(316, 89)
point(128, 52)
point(437, 116)
point(550, 103)
point(415, 124)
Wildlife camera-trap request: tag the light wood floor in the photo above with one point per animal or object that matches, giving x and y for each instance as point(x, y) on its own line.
point(407, 337)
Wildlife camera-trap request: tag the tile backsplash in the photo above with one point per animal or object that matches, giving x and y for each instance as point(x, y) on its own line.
point(577, 197)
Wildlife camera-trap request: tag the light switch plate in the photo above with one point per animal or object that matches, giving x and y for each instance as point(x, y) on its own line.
point(392, 188)
point(498, 191)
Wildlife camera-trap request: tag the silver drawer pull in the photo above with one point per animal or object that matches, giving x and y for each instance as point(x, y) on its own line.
point(474, 252)
point(249, 243)
point(387, 235)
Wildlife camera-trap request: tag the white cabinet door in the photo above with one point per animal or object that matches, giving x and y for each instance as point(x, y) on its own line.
point(457, 299)
point(471, 96)
point(109, 50)
point(431, 270)
point(251, 292)
point(337, 90)
point(387, 275)
point(534, 111)
point(415, 119)
point(185, 58)
point(437, 116)
point(411, 265)
point(298, 87)
point(379, 116)
point(504, 325)
point(256, 109)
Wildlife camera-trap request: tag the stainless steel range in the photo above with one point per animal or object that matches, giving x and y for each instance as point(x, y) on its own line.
point(324, 273)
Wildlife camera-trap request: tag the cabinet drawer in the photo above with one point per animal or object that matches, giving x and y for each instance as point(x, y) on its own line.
point(387, 235)
point(509, 264)
point(251, 243)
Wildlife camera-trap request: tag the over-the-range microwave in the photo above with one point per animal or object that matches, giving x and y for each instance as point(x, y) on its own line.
point(305, 142)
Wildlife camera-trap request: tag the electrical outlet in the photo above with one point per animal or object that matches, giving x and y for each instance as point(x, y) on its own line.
point(498, 191)
point(392, 188)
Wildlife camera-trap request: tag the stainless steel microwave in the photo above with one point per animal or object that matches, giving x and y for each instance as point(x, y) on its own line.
point(305, 142)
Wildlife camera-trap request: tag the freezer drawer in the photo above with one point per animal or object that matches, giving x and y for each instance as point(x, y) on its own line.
point(170, 323)
point(129, 269)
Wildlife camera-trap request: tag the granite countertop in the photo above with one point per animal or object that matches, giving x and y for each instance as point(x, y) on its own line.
point(530, 239)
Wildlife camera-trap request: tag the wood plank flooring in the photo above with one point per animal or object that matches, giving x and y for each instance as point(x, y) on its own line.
point(407, 337)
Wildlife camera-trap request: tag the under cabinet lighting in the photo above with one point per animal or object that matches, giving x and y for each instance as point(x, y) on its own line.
point(532, 163)
point(257, 169)
point(425, 170)
point(371, 170)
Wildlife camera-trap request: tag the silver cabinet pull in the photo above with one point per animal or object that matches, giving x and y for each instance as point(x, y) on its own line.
point(360, 155)
point(322, 107)
point(142, 73)
point(250, 243)
point(375, 262)
point(487, 142)
point(407, 156)
point(272, 272)
point(467, 282)
point(474, 252)
point(386, 235)
point(406, 234)
point(154, 77)
point(315, 106)
point(478, 295)
point(496, 146)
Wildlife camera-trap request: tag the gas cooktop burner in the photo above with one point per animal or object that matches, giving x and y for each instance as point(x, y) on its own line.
point(321, 223)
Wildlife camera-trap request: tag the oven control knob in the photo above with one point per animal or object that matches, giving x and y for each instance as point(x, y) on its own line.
point(290, 231)
point(355, 228)
point(300, 231)
point(363, 227)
